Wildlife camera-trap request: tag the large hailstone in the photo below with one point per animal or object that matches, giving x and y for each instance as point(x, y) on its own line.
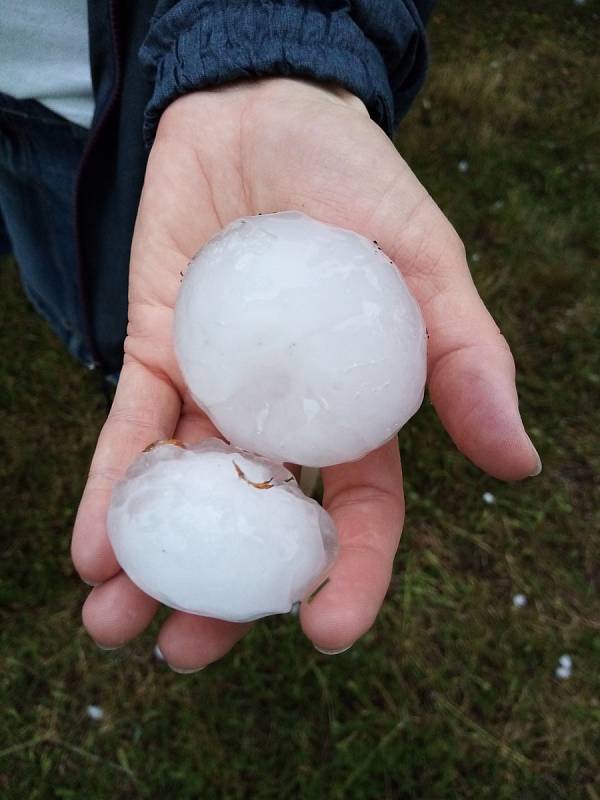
point(300, 340)
point(211, 530)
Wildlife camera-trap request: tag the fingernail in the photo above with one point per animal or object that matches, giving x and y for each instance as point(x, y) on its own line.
point(185, 671)
point(105, 647)
point(538, 466)
point(92, 583)
point(331, 652)
point(158, 654)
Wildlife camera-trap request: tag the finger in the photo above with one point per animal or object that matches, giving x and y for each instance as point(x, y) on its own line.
point(117, 612)
point(145, 408)
point(472, 386)
point(189, 642)
point(471, 371)
point(366, 502)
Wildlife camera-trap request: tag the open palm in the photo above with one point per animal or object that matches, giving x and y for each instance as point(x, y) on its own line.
point(268, 146)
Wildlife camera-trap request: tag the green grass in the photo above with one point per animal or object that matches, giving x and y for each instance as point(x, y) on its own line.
point(453, 693)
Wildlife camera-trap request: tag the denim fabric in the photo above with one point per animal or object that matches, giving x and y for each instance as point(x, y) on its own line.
point(39, 156)
point(374, 48)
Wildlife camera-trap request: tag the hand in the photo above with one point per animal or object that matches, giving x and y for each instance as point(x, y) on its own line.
point(267, 146)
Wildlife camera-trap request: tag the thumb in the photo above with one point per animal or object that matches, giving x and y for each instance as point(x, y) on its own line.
point(471, 371)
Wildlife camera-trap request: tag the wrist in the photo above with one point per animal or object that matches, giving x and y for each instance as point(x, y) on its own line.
point(306, 89)
point(209, 106)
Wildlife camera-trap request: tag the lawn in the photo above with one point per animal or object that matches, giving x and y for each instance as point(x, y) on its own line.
point(454, 692)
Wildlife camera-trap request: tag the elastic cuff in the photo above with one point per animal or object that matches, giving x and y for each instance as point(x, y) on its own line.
point(202, 43)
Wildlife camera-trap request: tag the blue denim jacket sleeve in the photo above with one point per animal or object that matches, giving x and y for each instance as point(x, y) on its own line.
point(374, 48)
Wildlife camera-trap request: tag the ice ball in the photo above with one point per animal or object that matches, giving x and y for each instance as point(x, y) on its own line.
point(211, 530)
point(300, 340)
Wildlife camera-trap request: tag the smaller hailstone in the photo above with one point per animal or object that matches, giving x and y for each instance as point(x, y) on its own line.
point(95, 712)
point(475, 258)
point(563, 673)
point(519, 601)
point(157, 653)
point(215, 531)
point(488, 498)
point(463, 166)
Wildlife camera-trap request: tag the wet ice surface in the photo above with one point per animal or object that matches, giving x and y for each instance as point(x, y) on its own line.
point(214, 531)
point(300, 340)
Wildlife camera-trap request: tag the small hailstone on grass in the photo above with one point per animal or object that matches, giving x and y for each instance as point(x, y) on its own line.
point(463, 165)
point(475, 258)
point(519, 601)
point(216, 531)
point(95, 712)
point(565, 666)
point(300, 340)
point(488, 498)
